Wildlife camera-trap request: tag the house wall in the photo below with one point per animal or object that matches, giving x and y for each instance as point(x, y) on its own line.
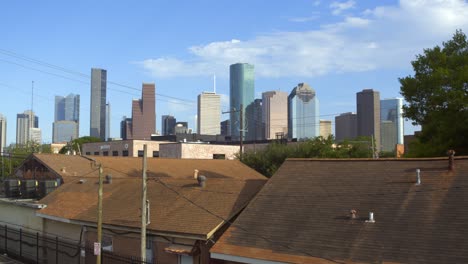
point(18, 216)
point(62, 230)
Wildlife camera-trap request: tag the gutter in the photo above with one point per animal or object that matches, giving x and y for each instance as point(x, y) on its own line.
point(29, 203)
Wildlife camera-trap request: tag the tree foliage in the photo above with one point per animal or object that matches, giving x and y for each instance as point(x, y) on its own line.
point(268, 160)
point(77, 144)
point(437, 97)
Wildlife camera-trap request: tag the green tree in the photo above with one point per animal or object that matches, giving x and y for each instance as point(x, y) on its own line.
point(437, 97)
point(77, 144)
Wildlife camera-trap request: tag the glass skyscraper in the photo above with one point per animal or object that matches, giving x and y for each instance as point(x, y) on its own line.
point(303, 113)
point(391, 123)
point(242, 91)
point(67, 118)
point(97, 127)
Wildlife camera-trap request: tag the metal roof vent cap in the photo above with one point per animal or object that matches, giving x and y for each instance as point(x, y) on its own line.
point(63, 170)
point(109, 178)
point(195, 174)
point(451, 154)
point(352, 214)
point(418, 177)
point(371, 218)
point(201, 181)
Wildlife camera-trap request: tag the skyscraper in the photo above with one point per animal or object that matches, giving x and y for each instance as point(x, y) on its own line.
point(97, 126)
point(3, 131)
point(67, 118)
point(368, 115)
point(144, 113)
point(108, 120)
point(226, 127)
point(325, 128)
point(275, 113)
point(168, 124)
point(256, 128)
point(126, 128)
point(209, 114)
point(345, 126)
point(25, 131)
point(303, 113)
point(242, 92)
point(391, 118)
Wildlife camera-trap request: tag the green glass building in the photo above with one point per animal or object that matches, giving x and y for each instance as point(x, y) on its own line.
point(242, 91)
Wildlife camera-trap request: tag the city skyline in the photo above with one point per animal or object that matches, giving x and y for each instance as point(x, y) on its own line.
point(338, 49)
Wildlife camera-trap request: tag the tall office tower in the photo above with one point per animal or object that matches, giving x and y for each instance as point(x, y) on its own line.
point(241, 91)
point(3, 131)
point(325, 128)
point(368, 115)
point(144, 113)
point(226, 127)
point(303, 113)
point(108, 120)
point(256, 127)
point(209, 114)
point(67, 118)
point(391, 128)
point(181, 128)
point(345, 126)
point(275, 114)
point(97, 125)
point(168, 125)
point(25, 131)
point(126, 128)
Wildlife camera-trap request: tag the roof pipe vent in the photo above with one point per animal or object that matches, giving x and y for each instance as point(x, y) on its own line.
point(109, 178)
point(352, 214)
point(63, 170)
point(195, 174)
point(371, 218)
point(201, 181)
point(418, 177)
point(451, 154)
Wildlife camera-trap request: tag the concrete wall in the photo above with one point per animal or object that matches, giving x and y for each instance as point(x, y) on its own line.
point(132, 146)
point(197, 151)
point(18, 216)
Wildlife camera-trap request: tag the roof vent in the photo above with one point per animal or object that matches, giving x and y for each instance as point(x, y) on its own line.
point(418, 177)
point(371, 218)
point(109, 178)
point(352, 214)
point(201, 181)
point(63, 170)
point(81, 181)
point(451, 154)
point(195, 174)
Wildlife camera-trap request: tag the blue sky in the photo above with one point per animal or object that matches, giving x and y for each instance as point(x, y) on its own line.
point(338, 47)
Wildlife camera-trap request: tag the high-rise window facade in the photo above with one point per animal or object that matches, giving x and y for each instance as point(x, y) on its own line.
point(144, 113)
point(275, 114)
point(368, 115)
point(242, 92)
point(168, 124)
point(97, 127)
point(3, 130)
point(67, 118)
point(345, 126)
point(303, 113)
point(391, 127)
point(27, 128)
point(209, 114)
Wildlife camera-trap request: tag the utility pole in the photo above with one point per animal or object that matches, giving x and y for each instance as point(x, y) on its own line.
point(99, 225)
point(144, 221)
point(241, 125)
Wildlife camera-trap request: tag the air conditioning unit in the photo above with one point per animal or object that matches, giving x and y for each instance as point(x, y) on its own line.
point(28, 189)
point(46, 187)
point(12, 188)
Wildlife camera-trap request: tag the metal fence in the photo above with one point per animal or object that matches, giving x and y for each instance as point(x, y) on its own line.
point(33, 247)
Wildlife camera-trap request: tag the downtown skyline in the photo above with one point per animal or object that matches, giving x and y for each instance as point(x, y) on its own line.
point(343, 47)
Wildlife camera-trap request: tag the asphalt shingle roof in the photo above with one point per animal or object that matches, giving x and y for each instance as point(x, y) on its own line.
point(302, 213)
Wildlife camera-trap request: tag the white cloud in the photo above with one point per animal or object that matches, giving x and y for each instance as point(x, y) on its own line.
point(339, 7)
point(383, 37)
point(304, 19)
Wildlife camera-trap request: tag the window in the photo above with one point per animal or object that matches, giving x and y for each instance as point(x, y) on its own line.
point(155, 154)
point(219, 156)
point(125, 153)
point(105, 153)
point(96, 153)
point(140, 153)
point(115, 153)
point(107, 243)
point(88, 153)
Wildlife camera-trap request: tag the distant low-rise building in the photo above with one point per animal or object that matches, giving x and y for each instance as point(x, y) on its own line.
point(122, 148)
point(194, 150)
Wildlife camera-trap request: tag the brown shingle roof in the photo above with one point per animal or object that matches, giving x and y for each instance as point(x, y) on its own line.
point(302, 213)
point(174, 196)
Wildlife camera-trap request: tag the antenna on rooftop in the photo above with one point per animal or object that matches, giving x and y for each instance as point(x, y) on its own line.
point(214, 83)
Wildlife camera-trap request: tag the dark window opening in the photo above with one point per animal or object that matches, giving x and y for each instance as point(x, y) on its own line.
point(125, 153)
point(105, 153)
point(140, 153)
point(96, 153)
point(155, 154)
point(219, 156)
point(115, 153)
